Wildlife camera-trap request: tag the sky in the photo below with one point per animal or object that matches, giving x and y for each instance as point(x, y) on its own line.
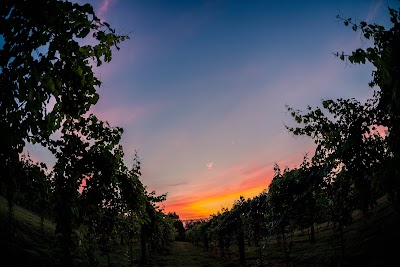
point(200, 89)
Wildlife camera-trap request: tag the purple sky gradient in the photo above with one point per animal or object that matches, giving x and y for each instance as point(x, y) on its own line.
point(201, 87)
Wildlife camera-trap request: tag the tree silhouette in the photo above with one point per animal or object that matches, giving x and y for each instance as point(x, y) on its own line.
point(178, 225)
point(43, 61)
point(384, 55)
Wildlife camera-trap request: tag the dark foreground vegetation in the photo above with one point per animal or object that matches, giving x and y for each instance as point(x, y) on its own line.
point(34, 243)
point(370, 240)
point(338, 208)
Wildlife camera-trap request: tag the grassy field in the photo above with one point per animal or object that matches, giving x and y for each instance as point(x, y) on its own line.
point(33, 245)
point(370, 241)
point(187, 254)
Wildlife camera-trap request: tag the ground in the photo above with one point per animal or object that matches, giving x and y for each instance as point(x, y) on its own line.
point(187, 254)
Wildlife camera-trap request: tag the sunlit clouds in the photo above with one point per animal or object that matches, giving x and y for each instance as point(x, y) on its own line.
point(206, 195)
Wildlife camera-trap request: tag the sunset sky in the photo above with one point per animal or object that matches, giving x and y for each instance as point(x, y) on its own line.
point(200, 89)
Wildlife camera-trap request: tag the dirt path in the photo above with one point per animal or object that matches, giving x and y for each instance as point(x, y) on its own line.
point(185, 254)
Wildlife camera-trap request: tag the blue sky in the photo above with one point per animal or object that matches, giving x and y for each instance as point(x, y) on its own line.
point(200, 89)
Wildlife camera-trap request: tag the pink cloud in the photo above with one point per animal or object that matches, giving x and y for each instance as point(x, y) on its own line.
point(121, 115)
point(145, 45)
point(377, 130)
point(209, 165)
point(105, 5)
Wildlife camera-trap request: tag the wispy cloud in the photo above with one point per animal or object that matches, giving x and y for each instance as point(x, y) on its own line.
point(104, 6)
point(178, 184)
point(209, 165)
point(122, 115)
point(374, 9)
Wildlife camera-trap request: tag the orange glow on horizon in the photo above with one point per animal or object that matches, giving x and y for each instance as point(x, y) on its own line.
point(205, 207)
point(209, 201)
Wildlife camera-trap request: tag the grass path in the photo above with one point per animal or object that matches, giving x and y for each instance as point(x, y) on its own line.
point(185, 254)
